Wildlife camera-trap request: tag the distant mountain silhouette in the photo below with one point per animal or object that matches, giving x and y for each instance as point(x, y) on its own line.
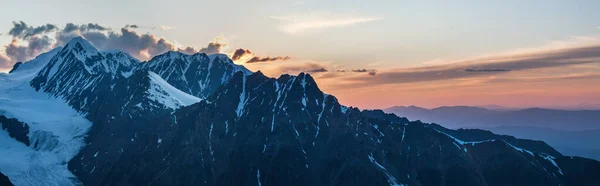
point(572, 132)
point(466, 116)
point(572, 143)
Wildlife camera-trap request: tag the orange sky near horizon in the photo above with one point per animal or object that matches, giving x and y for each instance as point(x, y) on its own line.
point(552, 76)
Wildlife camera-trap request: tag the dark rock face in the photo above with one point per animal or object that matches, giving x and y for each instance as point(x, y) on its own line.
point(262, 131)
point(199, 75)
point(16, 129)
point(15, 67)
point(579, 171)
point(4, 181)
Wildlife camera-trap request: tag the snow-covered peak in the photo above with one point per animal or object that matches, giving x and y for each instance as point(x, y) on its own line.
point(118, 62)
point(81, 48)
point(80, 54)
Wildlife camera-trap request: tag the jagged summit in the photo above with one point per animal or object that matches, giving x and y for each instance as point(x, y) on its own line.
point(81, 47)
point(197, 74)
point(221, 57)
point(168, 54)
point(79, 74)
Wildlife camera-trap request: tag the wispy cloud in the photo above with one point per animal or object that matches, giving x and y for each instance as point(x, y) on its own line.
point(161, 27)
point(309, 67)
point(318, 68)
point(562, 60)
point(317, 21)
point(166, 27)
point(490, 66)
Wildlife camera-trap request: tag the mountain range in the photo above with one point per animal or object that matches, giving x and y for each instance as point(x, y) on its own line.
point(573, 132)
point(467, 116)
point(76, 115)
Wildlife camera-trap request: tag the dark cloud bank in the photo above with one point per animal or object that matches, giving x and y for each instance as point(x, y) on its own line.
point(240, 53)
point(42, 38)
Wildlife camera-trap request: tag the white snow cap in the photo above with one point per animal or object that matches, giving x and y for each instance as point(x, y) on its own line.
point(82, 47)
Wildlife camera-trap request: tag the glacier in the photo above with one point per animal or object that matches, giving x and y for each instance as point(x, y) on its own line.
point(57, 129)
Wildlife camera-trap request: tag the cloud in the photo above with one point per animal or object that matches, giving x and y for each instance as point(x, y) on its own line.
point(360, 70)
point(550, 78)
point(71, 30)
point(267, 59)
point(29, 41)
point(23, 31)
point(212, 48)
point(161, 27)
point(93, 26)
point(36, 45)
point(248, 56)
point(239, 53)
point(486, 70)
point(317, 70)
point(141, 46)
point(371, 72)
point(316, 21)
point(70, 27)
point(187, 50)
point(491, 66)
point(309, 67)
point(166, 27)
point(132, 26)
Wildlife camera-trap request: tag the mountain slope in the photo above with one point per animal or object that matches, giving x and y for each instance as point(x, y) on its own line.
point(36, 64)
point(107, 119)
point(83, 85)
point(42, 132)
point(197, 74)
point(257, 130)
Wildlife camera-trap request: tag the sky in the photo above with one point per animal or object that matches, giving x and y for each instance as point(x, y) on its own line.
point(369, 54)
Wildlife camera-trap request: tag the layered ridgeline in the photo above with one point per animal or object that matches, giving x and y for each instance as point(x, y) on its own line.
point(47, 104)
point(572, 132)
point(202, 120)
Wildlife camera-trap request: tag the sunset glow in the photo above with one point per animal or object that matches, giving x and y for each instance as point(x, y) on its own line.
point(368, 55)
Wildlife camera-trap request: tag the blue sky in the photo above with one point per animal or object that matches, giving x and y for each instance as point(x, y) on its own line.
point(344, 35)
